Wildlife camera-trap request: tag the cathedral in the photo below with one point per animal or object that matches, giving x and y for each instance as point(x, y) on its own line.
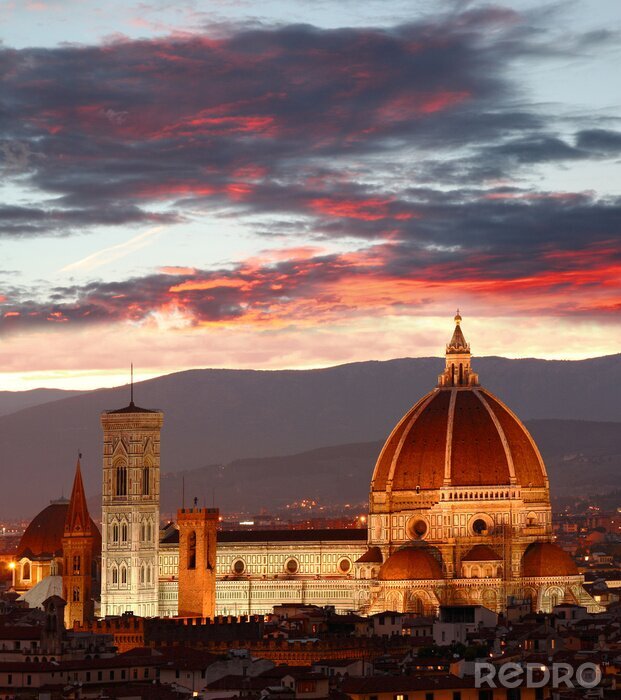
point(459, 513)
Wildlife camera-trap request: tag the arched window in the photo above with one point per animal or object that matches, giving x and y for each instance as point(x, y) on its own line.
point(142, 572)
point(192, 550)
point(121, 480)
point(149, 532)
point(26, 571)
point(149, 574)
point(143, 531)
point(115, 532)
point(76, 564)
point(145, 481)
point(123, 575)
point(76, 594)
point(124, 532)
point(115, 575)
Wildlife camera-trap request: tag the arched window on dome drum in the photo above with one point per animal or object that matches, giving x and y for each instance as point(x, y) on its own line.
point(192, 550)
point(121, 480)
point(145, 481)
point(26, 571)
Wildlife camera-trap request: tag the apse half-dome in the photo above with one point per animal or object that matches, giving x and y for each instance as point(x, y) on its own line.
point(545, 559)
point(410, 564)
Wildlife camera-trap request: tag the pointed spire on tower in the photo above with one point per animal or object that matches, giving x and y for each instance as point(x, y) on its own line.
point(457, 371)
point(78, 520)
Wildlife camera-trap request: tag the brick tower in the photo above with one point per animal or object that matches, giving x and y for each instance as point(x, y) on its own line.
point(197, 561)
point(130, 516)
point(77, 542)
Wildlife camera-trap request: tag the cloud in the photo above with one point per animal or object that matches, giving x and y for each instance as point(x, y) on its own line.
point(415, 145)
point(104, 133)
point(115, 252)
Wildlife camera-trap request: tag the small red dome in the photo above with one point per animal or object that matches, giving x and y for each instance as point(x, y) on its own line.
point(481, 552)
point(373, 555)
point(43, 537)
point(410, 564)
point(547, 559)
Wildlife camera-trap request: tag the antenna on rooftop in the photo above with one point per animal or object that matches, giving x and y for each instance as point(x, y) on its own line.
point(131, 385)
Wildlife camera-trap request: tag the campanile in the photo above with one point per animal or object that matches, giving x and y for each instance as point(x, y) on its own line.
point(130, 510)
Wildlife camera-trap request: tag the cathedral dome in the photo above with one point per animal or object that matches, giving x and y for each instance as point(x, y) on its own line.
point(547, 559)
point(43, 536)
point(410, 564)
point(458, 435)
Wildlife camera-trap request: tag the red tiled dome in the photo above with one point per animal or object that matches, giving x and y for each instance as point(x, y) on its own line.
point(43, 536)
point(410, 564)
point(465, 432)
point(547, 559)
point(481, 552)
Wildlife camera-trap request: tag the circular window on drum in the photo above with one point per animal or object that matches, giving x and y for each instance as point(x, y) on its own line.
point(417, 528)
point(292, 566)
point(344, 565)
point(239, 566)
point(481, 525)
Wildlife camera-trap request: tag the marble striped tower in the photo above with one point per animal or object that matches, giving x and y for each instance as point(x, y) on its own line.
point(130, 510)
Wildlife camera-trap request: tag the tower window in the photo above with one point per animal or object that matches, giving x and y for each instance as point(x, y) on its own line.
point(115, 533)
point(115, 575)
point(145, 481)
point(192, 550)
point(123, 575)
point(76, 595)
point(121, 480)
point(124, 532)
point(76, 564)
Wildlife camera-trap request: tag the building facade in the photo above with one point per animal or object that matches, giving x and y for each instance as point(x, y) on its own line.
point(130, 514)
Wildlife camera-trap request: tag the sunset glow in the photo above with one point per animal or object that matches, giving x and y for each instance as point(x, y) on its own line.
point(300, 192)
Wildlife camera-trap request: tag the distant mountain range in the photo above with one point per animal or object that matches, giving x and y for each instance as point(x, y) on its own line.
point(581, 457)
point(11, 401)
point(216, 417)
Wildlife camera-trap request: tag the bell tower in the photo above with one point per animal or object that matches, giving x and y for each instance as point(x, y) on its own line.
point(77, 542)
point(130, 510)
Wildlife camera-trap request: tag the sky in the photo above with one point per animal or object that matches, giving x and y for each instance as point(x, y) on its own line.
point(301, 184)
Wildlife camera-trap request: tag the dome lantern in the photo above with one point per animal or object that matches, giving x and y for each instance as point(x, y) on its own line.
point(457, 371)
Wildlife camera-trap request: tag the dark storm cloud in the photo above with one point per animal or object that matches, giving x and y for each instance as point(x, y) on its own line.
point(132, 123)
point(16, 222)
point(599, 140)
point(399, 138)
point(575, 236)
